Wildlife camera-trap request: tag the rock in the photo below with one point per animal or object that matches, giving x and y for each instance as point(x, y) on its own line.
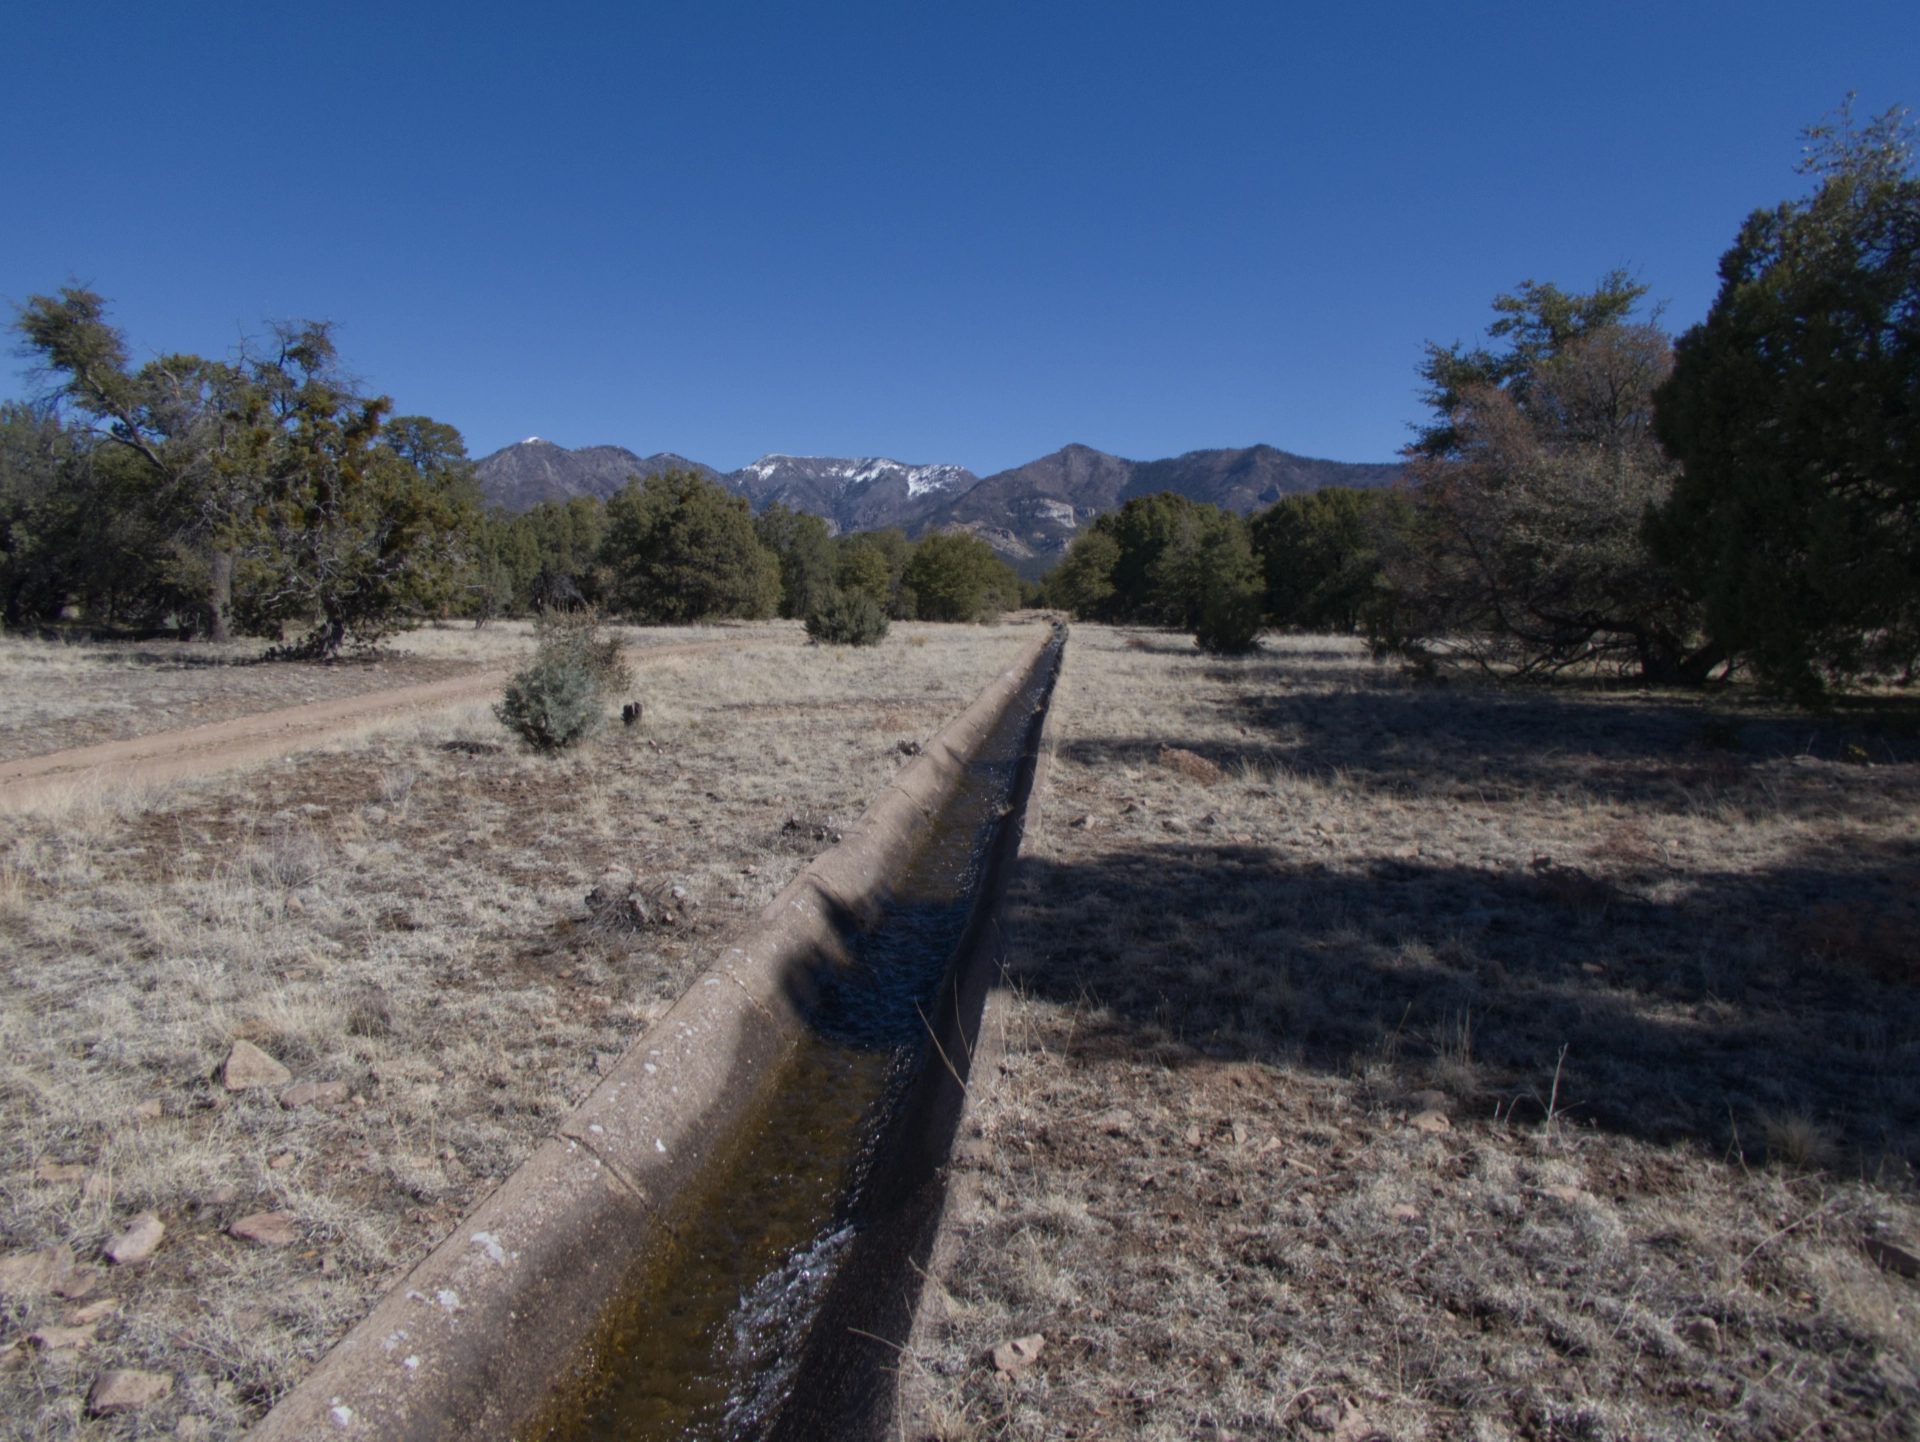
point(1194, 1137)
point(1404, 1212)
point(31, 1274)
point(59, 1173)
point(1353, 1425)
point(1190, 765)
point(139, 1241)
point(1114, 1122)
point(611, 889)
point(149, 1110)
point(314, 1094)
point(281, 1162)
point(1894, 1259)
point(1431, 1122)
point(225, 1194)
point(266, 1229)
point(1176, 824)
point(77, 1283)
point(123, 1390)
point(1013, 1358)
point(93, 1312)
point(248, 1067)
point(1086, 823)
point(1242, 1133)
point(1701, 1332)
point(53, 1339)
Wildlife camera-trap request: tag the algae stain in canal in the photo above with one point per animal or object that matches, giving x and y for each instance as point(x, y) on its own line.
point(704, 1340)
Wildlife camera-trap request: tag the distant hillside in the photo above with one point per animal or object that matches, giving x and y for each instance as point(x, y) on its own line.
point(523, 475)
point(1030, 514)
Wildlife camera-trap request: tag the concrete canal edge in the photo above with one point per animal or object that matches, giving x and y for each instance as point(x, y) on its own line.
point(471, 1341)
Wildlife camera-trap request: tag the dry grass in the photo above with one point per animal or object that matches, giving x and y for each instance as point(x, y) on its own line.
point(403, 914)
point(1466, 1063)
point(57, 695)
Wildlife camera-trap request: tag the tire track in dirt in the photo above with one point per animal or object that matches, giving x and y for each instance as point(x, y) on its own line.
point(163, 756)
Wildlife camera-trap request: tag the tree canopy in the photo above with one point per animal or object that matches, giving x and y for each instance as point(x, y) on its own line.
point(1794, 410)
point(681, 548)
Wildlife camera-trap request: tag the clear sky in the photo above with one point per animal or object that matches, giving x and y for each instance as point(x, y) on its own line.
point(963, 233)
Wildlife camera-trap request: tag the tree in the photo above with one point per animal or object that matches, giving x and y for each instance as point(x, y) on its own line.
point(1794, 409)
point(958, 577)
point(178, 423)
point(806, 554)
point(680, 548)
point(1320, 558)
point(1524, 547)
point(365, 519)
point(1536, 324)
point(876, 562)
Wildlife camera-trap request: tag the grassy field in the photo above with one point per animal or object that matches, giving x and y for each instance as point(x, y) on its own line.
point(57, 695)
point(1392, 1059)
point(402, 916)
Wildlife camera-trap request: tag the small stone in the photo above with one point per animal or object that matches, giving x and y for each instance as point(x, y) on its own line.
point(127, 1391)
point(1086, 823)
point(1194, 1137)
point(248, 1067)
point(281, 1162)
point(1114, 1122)
point(54, 1339)
point(296, 905)
point(149, 1110)
point(223, 1195)
point(1404, 1212)
point(1430, 1122)
point(1702, 1332)
point(139, 1241)
point(266, 1229)
point(1242, 1133)
point(92, 1313)
point(314, 1094)
point(59, 1173)
point(1177, 824)
point(30, 1274)
point(1013, 1358)
point(78, 1283)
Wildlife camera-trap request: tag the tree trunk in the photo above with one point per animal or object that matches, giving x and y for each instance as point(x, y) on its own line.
point(220, 597)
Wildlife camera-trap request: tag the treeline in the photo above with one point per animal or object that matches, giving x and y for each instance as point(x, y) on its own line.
point(268, 495)
point(677, 547)
point(1590, 492)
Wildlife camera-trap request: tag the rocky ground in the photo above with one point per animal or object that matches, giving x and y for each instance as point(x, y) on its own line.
point(264, 1038)
point(1392, 1060)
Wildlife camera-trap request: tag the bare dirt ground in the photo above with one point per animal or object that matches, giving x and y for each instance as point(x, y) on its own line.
point(1453, 1062)
point(399, 920)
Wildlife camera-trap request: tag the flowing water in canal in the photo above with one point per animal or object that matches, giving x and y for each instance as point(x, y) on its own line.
point(709, 1339)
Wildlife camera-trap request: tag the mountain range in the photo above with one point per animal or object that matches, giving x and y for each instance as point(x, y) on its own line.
point(1029, 514)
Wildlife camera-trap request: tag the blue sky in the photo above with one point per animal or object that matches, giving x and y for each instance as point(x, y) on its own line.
point(960, 233)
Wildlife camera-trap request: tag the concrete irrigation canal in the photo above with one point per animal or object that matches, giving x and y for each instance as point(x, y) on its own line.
point(724, 1239)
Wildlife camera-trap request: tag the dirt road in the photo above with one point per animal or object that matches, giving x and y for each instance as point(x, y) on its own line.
point(247, 740)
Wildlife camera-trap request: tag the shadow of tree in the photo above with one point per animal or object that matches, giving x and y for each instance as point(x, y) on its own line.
point(1680, 1020)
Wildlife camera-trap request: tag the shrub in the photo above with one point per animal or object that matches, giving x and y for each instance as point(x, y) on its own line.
point(560, 699)
point(848, 618)
point(1231, 623)
point(551, 704)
